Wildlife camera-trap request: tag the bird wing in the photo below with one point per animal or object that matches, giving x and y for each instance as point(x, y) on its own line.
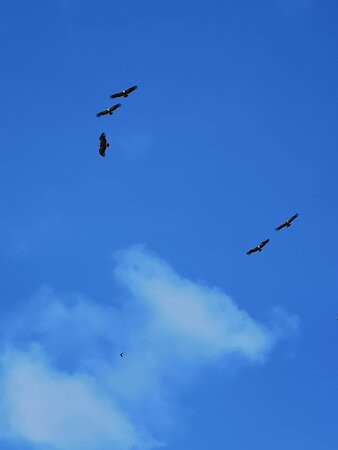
point(281, 226)
point(103, 140)
point(117, 94)
point(101, 113)
point(293, 218)
point(131, 89)
point(115, 107)
point(252, 250)
point(262, 244)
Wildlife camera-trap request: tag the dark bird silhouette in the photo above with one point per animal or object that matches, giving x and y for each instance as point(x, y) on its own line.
point(258, 248)
point(109, 110)
point(287, 223)
point(122, 355)
point(124, 93)
point(103, 144)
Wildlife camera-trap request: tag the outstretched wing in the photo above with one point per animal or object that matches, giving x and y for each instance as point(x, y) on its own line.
point(117, 94)
point(129, 90)
point(112, 109)
point(103, 140)
point(102, 113)
point(252, 250)
point(281, 226)
point(103, 144)
point(293, 218)
point(263, 244)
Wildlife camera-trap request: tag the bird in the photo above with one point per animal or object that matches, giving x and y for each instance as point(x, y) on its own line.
point(258, 248)
point(287, 223)
point(103, 144)
point(108, 110)
point(122, 355)
point(124, 93)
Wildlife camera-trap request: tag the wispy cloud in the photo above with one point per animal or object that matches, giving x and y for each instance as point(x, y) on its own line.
point(64, 385)
point(48, 407)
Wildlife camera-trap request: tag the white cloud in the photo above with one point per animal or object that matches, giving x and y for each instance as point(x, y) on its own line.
point(83, 395)
point(203, 322)
point(48, 407)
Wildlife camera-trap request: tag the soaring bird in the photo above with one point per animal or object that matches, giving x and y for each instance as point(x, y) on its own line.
point(124, 93)
point(122, 355)
point(103, 144)
point(287, 223)
point(258, 248)
point(109, 110)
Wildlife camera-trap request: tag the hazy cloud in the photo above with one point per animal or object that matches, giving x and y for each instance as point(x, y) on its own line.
point(48, 407)
point(64, 384)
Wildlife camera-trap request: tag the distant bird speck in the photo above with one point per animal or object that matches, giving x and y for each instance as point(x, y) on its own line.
point(122, 355)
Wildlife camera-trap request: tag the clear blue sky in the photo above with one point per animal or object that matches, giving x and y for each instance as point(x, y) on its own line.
point(233, 129)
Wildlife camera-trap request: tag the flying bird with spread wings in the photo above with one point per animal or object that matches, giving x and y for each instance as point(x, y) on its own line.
point(124, 93)
point(258, 248)
point(103, 144)
point(287, 223)
point(108, 110)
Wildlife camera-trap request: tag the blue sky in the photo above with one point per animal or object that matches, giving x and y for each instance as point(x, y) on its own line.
point(233, 129)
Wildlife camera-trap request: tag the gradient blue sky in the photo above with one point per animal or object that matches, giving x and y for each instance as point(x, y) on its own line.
point(232, 130)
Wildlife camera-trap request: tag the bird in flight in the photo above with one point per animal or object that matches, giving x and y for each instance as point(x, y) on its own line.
point(122, 355)
point(103, 144)
point(287, 223)
point(108, 110)
point(258, 248)
point(124, 93)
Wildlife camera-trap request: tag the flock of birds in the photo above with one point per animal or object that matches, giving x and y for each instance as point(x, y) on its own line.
point(286, 224)
point(104, 144)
